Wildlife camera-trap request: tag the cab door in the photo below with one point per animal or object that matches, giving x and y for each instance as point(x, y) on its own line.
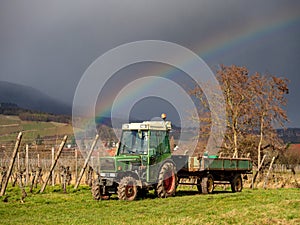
point(159, 150)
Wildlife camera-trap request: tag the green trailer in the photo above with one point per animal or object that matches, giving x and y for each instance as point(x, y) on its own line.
point(144, 162)
point(209, 171)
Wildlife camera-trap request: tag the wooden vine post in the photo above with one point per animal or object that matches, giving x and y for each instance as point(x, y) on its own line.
point(268, 174)
point(76, 164)
point(86, 161)
point(54, 163)
point(27, 164)
point(256, 172)
point(12, 161)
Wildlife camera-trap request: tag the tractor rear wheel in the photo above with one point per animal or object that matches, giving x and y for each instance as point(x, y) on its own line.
point(237, 184)
point(166, 185)
point(127, 189)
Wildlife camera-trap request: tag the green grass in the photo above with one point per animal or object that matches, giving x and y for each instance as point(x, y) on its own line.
point(277, 206)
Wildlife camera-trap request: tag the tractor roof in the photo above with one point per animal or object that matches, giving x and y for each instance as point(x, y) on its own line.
point(148, 125)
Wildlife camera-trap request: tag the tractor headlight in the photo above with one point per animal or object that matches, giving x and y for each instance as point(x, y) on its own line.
point(112, 175)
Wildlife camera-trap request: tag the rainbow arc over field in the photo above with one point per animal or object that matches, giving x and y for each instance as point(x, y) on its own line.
point(214, 47)
point(254, 32)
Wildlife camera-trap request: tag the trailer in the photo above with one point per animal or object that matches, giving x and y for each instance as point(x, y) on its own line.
point(209, 171)
point(143, 162)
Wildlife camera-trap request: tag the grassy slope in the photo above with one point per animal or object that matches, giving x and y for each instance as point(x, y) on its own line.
point(11, 125)
point(77, 207)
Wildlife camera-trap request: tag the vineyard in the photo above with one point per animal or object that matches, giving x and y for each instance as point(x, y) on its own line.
point(43, 145)
point(48, 180)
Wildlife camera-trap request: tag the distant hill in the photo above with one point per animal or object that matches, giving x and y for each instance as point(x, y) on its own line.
point(12, 109)
point(290, 135)
point(32, 99)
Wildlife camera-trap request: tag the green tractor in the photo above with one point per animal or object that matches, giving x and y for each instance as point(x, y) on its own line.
point(142, 162)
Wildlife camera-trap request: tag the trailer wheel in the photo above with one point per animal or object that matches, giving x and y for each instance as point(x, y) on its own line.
point(199, 187)
point(237, 184)
point(127, 189)
point(96, 191)
point(166, 185)
point(207, 184)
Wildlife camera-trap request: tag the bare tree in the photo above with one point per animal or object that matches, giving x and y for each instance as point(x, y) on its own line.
point(254, 108)
point(234, 83)
point(267, 110)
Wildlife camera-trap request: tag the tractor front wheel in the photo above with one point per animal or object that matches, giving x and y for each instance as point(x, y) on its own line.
point(97, 190)
point(127, 189)
point(166, 185)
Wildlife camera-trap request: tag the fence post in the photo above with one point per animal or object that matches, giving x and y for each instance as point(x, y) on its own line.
point(52, 162)
point(270, 168)
point(55, 161)
point(76, 164)
point(38, 160)
point(86, 161)
point(27, 164)
point(18, 161)
point(19, 138)
point(256, 173)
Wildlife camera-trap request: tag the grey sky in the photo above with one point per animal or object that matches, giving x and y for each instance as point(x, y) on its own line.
point(49, 44)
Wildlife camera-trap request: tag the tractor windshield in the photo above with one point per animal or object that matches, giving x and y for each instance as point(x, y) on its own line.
point(134, 142)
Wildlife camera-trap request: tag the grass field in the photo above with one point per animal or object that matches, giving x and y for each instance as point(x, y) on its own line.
point(276, 206)
point(10, 126)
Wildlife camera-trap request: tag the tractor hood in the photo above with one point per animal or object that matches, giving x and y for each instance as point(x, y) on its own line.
point(119, 163)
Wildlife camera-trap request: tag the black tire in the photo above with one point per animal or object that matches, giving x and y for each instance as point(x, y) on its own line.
point(207, 184)
point(127, 189)
point(167, 180)
point(199, 187)
point(237, 184)
point(96, 190)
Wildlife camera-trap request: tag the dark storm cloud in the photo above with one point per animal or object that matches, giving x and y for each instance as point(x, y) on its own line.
point(49, 44)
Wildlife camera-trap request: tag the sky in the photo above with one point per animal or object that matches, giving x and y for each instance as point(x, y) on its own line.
point(49, 45)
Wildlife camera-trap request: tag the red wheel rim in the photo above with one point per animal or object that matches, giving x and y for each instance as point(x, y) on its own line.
point(129, 191)
point(169, 181)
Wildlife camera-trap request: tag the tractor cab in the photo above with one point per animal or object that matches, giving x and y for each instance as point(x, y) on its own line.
point(142, 147)
point(147, 138)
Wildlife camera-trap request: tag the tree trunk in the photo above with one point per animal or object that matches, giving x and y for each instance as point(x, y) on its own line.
point(260, 140)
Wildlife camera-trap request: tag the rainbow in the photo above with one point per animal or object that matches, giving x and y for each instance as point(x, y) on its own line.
point(214, 47)
point(256, 31)
point(106, 103)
